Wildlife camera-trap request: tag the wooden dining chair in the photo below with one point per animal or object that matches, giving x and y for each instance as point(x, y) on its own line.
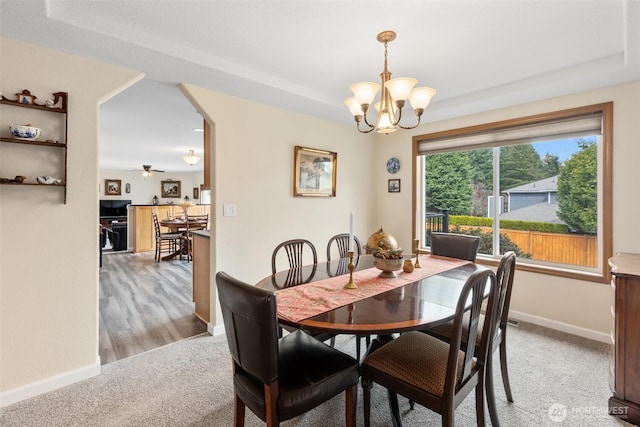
point(431, 372)
point(453, 245)
point(164, 241)
point(339, 245)
point(279, 379)
point(295, 252)
point(504, 279)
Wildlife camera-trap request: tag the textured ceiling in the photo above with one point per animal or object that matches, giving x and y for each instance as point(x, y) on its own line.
point(303, 55)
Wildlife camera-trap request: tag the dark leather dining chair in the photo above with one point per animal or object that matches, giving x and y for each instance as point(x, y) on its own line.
point(279, 379)
point(294, 249)
point(341, 244)
point(453, 245)
point(431, 372)
point(504, 279)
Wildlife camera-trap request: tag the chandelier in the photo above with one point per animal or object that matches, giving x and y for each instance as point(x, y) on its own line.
point(392, 98)
point(191, 158)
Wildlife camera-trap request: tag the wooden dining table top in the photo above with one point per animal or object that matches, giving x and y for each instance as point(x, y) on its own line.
point(175, 224)
point(416, 305)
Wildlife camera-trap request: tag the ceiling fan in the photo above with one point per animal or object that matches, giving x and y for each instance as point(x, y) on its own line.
point(147, 171)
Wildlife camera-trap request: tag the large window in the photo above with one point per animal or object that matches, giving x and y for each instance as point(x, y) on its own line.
point(537, 185)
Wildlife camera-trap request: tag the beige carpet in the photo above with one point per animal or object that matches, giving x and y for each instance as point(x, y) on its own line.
point(189, 384)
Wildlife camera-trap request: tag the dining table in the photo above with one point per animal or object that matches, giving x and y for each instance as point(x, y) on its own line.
point(181, 225)
point(313, 297)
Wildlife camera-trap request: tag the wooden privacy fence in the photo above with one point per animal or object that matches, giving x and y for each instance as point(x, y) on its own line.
point(574, 249)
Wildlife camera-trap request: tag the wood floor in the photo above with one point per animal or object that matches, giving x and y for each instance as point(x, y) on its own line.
point(144, 304)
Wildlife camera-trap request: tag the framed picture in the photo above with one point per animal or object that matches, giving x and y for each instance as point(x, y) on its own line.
point(170, 189)
point(25, 97)
point(112, 187)
point(314, 172)
point(196, 193)
point(394, 186)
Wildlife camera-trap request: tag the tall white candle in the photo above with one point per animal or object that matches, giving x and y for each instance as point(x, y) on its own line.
point(351, 232)
point(417, 225)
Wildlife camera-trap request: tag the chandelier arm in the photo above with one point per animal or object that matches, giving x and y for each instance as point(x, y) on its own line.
point(365, 109)
point(410, 127)
point(358, 119)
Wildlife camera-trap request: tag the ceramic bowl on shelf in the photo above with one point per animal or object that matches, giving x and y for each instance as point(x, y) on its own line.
point(24, 131)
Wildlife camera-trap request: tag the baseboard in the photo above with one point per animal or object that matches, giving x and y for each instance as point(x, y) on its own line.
point(215, 330)
point(561, 326)
point(44, 386)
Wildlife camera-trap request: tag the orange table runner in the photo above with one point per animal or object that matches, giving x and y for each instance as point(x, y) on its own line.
point(308, 300)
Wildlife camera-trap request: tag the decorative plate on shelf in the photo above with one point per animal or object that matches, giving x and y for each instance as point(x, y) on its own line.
point(393, 165)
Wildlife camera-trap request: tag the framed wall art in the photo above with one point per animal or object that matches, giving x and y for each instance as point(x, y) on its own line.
point(393, 186)
point(170, 189)
point(314, 172)
point(196, 193)
point(112, 187)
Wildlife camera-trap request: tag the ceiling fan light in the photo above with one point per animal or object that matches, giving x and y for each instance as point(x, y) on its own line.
point(400, 88)
point(421, 96)
point(191, 158)
point(365, 91)
point(354, 106)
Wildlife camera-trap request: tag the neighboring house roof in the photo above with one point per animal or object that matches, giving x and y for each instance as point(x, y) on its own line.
point(540, 212)
point(544, 185)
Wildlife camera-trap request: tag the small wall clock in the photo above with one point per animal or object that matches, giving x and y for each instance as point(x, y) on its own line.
point(393, 165)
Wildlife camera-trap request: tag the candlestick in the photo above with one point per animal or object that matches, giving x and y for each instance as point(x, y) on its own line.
point(351, 284)
point(351, 232)
point(417, 244)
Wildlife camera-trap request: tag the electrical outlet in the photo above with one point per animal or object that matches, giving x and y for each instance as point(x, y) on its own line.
point(228, 210)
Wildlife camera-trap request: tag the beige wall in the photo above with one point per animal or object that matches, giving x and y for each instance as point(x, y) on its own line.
point(48, 250)
point(573, 305)
point(48, 257)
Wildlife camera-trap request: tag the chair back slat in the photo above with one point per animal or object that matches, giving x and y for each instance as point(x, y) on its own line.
point(341, 241)
point(294, 250)
point(480, 285)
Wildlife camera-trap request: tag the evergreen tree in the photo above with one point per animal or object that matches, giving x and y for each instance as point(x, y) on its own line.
point(551, 165)
point(449, 183)
point(577, 189)
point(519, 164)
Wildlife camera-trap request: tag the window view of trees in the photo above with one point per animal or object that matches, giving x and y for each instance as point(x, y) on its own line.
point(548, 197)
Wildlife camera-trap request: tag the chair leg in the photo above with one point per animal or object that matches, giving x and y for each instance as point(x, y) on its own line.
point(394, 408)
point(358, 338)
point(480, 421)
point(503, 366)
point(366, 396)
point(491, 395)
point(351, 399)
point(238, 412)
point(332, 342)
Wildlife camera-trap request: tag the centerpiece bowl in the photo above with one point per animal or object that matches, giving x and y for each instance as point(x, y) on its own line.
point(389, 261)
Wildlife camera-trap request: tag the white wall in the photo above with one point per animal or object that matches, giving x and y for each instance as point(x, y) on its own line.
point(49, 250)
point(574, 305)
point(144, 188)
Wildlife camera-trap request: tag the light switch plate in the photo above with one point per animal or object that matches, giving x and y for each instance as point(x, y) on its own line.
point(228, 210)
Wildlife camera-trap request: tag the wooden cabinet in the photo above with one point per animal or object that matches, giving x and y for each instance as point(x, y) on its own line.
point(201, 275)
point(142, 235)
point(25, 157)
point(625, 369)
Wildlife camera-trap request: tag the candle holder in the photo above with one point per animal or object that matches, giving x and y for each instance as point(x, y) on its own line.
point(351, 284)
point(417, 245)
